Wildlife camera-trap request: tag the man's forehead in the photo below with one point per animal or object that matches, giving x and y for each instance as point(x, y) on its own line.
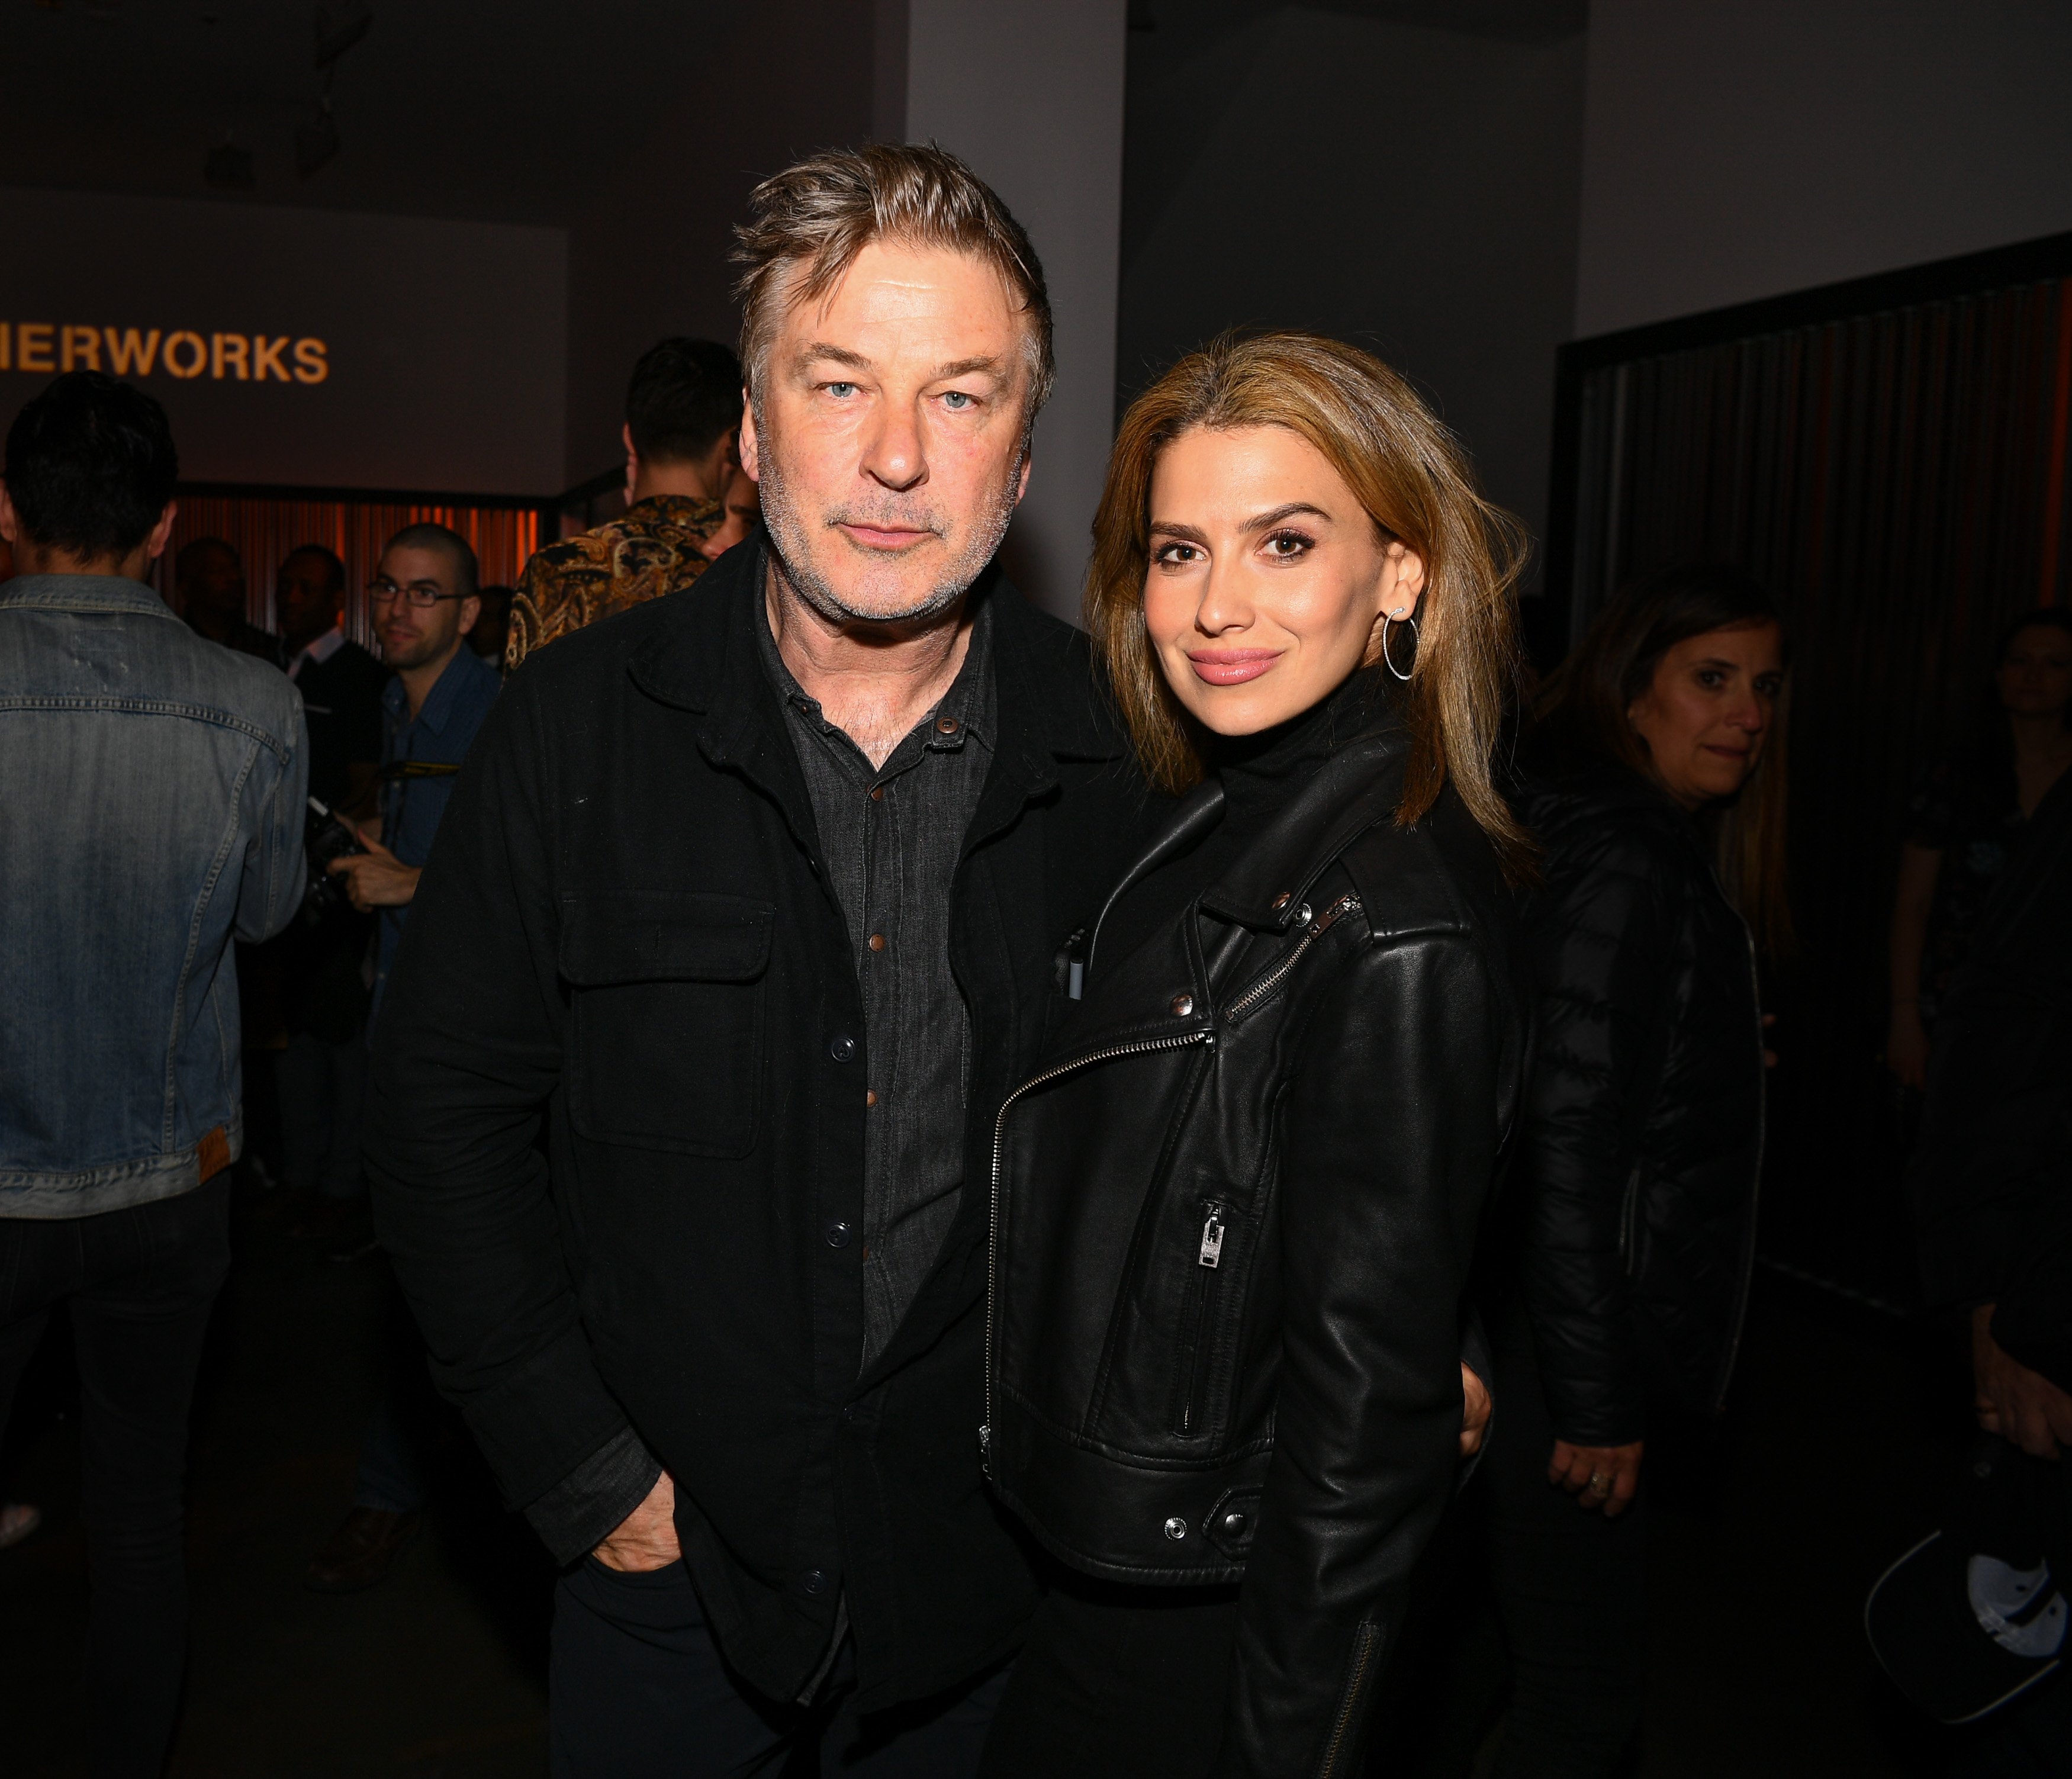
point(417, 562)
point(894, 284)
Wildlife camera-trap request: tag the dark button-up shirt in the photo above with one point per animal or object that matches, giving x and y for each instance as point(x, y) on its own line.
point(890, 837)
point(413, 802)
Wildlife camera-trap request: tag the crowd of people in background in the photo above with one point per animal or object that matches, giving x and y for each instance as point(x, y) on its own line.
point(977, 1184)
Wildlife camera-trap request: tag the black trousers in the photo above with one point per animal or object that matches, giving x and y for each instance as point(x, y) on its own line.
point(639, 1690)
point(1571, 1586)
point(1117, 1682)
point(139, 1284)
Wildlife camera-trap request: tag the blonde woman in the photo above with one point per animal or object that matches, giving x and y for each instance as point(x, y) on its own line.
point(1234, 1210)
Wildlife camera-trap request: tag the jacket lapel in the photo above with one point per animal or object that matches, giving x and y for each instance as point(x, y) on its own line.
point(707, 661)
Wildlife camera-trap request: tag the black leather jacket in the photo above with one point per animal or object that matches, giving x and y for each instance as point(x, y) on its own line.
point(1233, 1215)
point(1644, 1126)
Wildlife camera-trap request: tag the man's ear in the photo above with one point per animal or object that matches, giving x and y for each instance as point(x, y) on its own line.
point(749, 444)
point(10, 527)
point(162, 533)
point(471, 609)
point(1021, 481)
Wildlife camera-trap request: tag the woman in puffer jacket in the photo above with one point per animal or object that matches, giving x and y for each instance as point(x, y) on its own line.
point(1656, 791)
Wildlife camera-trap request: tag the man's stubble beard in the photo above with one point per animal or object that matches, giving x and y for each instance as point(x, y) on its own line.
point(792, 534)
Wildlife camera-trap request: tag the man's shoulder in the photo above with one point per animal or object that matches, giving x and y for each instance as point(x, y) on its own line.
point(243, 685)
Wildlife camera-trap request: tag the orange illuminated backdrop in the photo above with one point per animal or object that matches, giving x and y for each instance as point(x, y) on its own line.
point(264, 528)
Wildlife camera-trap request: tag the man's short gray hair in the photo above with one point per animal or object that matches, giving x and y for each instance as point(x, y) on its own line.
point(806, 224)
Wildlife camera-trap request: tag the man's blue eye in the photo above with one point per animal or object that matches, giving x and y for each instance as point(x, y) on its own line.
point(956, 400)
point(841, 389)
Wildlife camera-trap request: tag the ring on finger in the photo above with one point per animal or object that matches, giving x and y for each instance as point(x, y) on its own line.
point(1601, 1484)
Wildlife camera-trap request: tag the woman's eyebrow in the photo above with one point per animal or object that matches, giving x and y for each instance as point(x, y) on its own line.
point(1266, 521)
point(1187, 534)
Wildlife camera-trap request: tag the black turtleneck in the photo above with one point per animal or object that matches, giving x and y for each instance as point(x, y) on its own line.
point(1261, 775)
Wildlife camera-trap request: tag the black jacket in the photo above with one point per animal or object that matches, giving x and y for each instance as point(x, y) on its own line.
point(1234, 1213)
point(625, 928)
point(1644, 1128)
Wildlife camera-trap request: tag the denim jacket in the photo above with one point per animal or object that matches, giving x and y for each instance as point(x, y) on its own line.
point(151, 810)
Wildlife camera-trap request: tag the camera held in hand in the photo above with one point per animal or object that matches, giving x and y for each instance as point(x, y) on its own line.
point(326, 836)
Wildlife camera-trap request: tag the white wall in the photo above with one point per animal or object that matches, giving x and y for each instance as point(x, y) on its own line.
point(1032, 96)
point(1738, 148)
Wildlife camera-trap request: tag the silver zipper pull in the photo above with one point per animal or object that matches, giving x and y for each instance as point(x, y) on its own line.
point(1212, 1237)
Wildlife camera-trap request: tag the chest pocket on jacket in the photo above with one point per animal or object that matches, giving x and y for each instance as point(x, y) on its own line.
point(668, 992)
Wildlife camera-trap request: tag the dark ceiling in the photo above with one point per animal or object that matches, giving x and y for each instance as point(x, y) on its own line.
point(492, 110)
point(498, 110)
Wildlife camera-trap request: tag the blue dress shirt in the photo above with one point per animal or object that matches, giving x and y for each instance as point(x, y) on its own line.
point(440, 734)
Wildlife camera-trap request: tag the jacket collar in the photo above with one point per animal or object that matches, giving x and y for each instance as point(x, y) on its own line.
point(84, 593)
point(446, 690)
point(704, 658)
point(1357, 788)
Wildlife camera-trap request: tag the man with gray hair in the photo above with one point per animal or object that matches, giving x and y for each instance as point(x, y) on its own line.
point(742, 923)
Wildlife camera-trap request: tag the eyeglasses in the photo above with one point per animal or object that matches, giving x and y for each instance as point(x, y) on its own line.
point(423, 595)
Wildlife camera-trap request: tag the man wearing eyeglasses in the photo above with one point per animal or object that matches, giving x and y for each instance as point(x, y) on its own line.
point(424, 602)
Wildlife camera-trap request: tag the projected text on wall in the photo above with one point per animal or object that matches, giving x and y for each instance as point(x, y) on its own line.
point(48, 347)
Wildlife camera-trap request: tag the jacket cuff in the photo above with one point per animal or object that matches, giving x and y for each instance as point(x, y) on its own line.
point(591, 1503)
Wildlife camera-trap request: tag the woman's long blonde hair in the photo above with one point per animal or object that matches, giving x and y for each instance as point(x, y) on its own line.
point(1410, 474)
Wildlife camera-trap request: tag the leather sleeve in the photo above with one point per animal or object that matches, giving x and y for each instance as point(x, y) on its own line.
point(1601, 950)
point(468, 1052)
point(1391, 1125)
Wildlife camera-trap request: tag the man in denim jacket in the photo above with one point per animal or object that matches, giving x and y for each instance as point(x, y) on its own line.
point(152, 813)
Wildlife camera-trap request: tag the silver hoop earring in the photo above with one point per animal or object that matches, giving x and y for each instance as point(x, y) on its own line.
point(1389, 659)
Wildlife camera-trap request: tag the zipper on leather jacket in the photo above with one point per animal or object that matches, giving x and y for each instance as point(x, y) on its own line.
point(1190, 1359)
point(1178, 1041)
point(1364, 1640)
point(1267, 984)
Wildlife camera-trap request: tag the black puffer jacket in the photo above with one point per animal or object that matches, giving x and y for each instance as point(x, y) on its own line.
point(1644, 1126)
point(1233, 1216)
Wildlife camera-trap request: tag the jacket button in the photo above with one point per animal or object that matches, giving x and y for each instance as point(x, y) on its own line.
point(837, 1234)
point(816, 1581)
point(1284, 898)
point(878, 942)
point(1183, 1004)
point(842, 1050)
point(1176, 1528)
point(1236, 1524)
point(946, 725)
point(1302, 915)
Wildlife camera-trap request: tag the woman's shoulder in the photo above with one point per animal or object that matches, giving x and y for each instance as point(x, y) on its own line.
point(1599, 815)
point(1440, 874)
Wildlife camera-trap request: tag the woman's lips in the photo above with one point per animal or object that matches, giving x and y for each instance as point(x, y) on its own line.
point(1231, 667)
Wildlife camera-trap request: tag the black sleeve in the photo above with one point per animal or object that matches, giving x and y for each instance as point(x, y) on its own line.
point(1391, 1132)
point(467, 1052)
point(1600, 947)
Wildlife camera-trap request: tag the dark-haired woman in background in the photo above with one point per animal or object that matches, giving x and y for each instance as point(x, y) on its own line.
point(1657, 793)
point(1968, 817)
point(1234, 1210)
